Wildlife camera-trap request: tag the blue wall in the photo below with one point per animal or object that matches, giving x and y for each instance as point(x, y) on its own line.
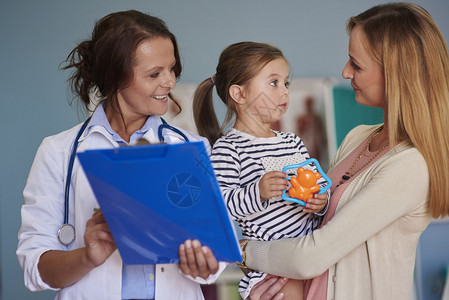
point(36, 36)
point(432, 262)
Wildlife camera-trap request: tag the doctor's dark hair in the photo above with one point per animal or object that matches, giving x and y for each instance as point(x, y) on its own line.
point(404, 39)
point(238, 64)
point(103, 64)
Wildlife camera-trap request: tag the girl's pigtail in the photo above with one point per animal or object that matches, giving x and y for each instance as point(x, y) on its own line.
point(204, 113)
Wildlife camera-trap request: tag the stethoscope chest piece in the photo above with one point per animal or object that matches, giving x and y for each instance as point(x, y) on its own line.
point(66, 234)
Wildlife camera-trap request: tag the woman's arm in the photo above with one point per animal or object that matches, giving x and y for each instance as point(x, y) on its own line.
point(60, 269)
point(399, 185)
point(47, 264)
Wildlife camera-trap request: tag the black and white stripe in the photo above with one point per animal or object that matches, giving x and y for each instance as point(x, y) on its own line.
point(236, 158)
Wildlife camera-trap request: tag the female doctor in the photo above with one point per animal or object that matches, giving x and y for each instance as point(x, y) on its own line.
point(131, 63)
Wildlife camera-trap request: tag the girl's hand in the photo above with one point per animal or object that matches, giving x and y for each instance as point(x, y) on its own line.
point(98, 239)
point(196, 261)
point(268, 288)
point(272, 184)
point(316, 204)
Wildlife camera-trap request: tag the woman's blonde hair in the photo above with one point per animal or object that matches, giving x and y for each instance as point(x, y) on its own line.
point(405, 40)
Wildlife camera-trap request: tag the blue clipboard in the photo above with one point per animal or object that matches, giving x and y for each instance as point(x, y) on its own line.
point(154, 197)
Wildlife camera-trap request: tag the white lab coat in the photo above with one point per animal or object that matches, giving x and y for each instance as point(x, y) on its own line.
point(43, 214)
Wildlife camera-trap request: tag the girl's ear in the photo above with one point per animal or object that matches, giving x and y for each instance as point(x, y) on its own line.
point(236, 93)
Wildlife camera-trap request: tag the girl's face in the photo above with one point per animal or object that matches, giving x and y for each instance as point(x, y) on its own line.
point(367, 77)
point(266, 95)
point(152, 79)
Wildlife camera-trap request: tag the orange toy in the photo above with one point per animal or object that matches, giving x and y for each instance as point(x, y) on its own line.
point(304, 184)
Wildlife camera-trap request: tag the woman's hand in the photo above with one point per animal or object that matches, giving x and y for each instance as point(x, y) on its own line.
point(197, 260)
point(60, 269)
point(268, 288)
point(272, 184)
point(316, 204)
point(98, 239)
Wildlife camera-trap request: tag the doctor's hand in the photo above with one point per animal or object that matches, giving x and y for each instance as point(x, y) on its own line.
point(197, 260)
point(98, 239)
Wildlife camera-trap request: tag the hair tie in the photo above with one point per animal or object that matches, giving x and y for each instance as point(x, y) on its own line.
point(212, 78)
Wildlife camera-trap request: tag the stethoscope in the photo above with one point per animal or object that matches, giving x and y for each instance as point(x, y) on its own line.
point(66, 233)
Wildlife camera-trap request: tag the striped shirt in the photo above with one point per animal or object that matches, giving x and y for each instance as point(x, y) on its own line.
point(236, 158)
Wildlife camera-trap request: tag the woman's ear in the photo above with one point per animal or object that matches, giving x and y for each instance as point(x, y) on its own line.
point(236, 93)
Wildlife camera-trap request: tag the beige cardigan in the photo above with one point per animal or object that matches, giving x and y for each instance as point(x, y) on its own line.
point(369, 246)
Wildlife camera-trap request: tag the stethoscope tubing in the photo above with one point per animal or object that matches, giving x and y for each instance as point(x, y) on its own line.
point(66, 241)
point(69, 171)
point(166, 126)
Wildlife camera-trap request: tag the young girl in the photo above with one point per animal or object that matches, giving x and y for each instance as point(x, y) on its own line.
point(132, 61)
point(252, 79)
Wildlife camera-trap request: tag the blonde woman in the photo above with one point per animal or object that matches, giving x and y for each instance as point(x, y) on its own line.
point(390, 179)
